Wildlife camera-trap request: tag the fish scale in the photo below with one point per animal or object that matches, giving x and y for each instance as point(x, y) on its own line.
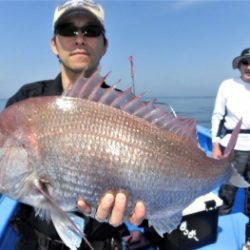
point(117, 136)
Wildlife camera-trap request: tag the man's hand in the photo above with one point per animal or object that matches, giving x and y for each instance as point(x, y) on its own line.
point(216, 151)
point(138, 215)
point(112, 208)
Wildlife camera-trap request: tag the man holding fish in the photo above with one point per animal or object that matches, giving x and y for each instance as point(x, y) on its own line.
point(78, 138)
point(79, 42)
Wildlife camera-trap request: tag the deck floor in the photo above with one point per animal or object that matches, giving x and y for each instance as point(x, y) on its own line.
point(231, 231)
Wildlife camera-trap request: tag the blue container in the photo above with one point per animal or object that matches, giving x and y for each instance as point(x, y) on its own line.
point(8, 236)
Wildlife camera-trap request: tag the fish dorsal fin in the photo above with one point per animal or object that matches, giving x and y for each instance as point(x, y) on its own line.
point(182, 126)
point(159, 115)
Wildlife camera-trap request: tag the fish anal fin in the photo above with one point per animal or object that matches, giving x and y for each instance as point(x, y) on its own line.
point(164, 222)
point(237, 179)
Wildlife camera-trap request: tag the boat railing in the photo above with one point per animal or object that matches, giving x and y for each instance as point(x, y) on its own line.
point(7, 235)
point(204, 139)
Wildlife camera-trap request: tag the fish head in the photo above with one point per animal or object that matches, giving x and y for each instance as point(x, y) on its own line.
point(18, 151)
point(14, 168)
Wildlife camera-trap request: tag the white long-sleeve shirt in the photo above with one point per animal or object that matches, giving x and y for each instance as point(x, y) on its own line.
point(233, 99)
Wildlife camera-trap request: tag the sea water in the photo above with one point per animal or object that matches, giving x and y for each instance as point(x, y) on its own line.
point(200, 108)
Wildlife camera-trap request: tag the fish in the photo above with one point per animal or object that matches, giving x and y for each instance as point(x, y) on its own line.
point(56, 149)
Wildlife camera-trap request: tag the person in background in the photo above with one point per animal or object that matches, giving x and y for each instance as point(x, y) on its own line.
point(79, 42)
point(232, 103)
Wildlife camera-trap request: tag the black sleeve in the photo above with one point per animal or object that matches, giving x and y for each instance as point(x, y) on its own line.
point(24, 92)
point(95, 230)
point(19, 96)
point(36, 89)
point(101, 231)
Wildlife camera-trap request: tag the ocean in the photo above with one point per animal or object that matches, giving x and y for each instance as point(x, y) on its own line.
point(199, 108)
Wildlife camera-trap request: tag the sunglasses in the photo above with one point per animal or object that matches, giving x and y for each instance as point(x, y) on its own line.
point(245, 62)
point(70, 30)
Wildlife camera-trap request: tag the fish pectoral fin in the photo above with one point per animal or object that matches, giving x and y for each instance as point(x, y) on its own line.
point(164, 223)
point(64, 223)
point(70, 236)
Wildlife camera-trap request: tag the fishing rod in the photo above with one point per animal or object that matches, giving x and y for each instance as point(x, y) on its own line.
point(132, 72)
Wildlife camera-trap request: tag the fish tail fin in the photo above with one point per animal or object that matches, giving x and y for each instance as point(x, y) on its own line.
point(231, 144)
point(236, 179)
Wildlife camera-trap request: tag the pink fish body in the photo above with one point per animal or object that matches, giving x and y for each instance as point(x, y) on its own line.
point(100, 139)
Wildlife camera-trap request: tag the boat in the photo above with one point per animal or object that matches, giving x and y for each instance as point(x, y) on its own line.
point(231, 228)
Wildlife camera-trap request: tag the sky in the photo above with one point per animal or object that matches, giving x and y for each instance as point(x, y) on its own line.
point(180, 48)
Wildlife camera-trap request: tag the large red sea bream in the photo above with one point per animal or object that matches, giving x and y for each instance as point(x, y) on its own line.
point(54, 150)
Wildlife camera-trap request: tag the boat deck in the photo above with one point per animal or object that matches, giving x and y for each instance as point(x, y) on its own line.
point(231, 228)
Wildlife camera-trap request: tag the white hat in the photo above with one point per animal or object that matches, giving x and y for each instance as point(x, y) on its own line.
point(78, 5)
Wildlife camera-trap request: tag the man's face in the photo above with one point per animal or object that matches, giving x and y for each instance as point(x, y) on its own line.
point(244, 68)
point(79, 52)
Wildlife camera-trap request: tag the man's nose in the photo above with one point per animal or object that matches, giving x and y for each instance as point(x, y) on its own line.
point(79, 38)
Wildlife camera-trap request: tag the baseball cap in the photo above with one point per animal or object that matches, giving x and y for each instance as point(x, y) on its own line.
point(71, 6)
point(244, 54)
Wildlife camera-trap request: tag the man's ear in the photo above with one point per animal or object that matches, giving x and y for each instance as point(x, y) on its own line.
point(105, 48)
point(53, 45)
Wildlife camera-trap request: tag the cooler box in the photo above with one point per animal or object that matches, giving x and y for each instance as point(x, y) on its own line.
point(198, 226)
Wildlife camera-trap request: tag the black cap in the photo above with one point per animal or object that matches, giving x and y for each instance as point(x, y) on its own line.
point(244, 54)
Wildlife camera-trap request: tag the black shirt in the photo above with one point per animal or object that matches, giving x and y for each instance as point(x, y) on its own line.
point(32, 229)
point(41, 88)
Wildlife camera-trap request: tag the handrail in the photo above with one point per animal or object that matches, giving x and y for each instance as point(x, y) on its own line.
point(204, 138)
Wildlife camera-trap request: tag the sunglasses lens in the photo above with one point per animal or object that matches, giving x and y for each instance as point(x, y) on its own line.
point(71, 30)
point(66, 30)
point(245, 62)
point(92, 30)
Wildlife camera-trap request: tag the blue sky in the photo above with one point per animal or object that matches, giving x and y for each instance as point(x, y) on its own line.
point(180, 47)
